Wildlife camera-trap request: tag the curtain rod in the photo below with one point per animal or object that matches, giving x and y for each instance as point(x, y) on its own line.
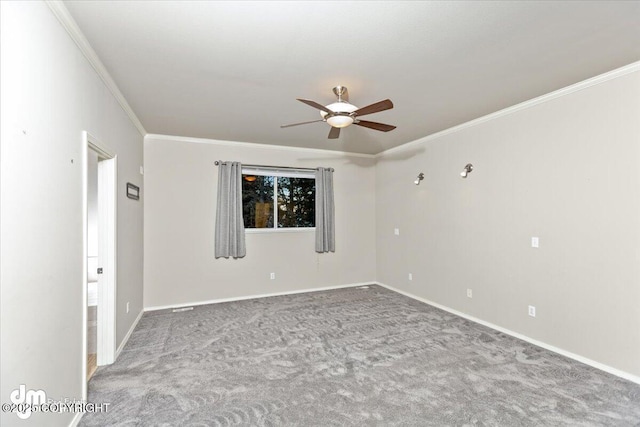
point(217, 162)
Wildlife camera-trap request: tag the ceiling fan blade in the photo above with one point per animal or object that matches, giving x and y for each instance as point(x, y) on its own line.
point(334, 133)
point(315, 105)
point(374, 108)
point(301, 123)
point(373, 125)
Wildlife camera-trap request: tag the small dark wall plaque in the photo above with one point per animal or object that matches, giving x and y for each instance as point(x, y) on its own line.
point(133, 191)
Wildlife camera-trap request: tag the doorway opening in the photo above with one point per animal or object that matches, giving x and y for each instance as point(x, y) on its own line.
point(99, 260)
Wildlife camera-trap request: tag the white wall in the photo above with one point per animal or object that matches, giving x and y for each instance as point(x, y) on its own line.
point(181, 190)
point(565, 170)
point(49, 95)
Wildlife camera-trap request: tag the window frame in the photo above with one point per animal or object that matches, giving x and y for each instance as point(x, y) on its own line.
point(276, 173)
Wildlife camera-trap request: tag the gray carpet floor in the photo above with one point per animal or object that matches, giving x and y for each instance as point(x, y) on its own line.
point(347, 357)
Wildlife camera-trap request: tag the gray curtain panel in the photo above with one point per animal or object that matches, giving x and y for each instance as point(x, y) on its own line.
point(229, 223)
point(325, 211)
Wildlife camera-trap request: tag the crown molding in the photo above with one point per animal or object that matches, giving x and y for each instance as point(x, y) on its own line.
point(256, 145)
point(610, 75)
point(62, 13)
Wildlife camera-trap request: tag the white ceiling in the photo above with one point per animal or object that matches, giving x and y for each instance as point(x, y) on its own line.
point(232, 70)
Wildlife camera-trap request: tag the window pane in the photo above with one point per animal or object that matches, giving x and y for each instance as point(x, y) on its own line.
point(257, 201)
point(296, 202)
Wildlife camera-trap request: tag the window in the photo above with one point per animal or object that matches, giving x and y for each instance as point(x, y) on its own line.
point(278, 198)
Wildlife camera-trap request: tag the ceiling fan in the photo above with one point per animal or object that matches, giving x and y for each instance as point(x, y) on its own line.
point(342, 114)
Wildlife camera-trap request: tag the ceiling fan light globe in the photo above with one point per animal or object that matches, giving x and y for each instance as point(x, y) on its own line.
point(340, 121)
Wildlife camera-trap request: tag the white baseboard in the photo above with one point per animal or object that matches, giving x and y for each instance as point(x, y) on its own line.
point(126, 337)
point(577, 357)
point(76, 420)
point(275, 294)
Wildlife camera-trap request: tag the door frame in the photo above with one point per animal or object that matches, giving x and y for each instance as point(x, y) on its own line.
point(107, 259)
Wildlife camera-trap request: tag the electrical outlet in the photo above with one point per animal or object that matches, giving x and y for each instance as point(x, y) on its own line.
point(273, 276)
point(410, 276)
point(535, 242)
point(532, 311)
point(396, 231)
point(127, 307)
point(470, 293)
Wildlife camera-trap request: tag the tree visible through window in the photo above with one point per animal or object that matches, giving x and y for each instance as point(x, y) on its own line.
point(270, 201)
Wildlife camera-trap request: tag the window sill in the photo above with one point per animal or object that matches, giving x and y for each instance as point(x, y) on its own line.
point(278, 230)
